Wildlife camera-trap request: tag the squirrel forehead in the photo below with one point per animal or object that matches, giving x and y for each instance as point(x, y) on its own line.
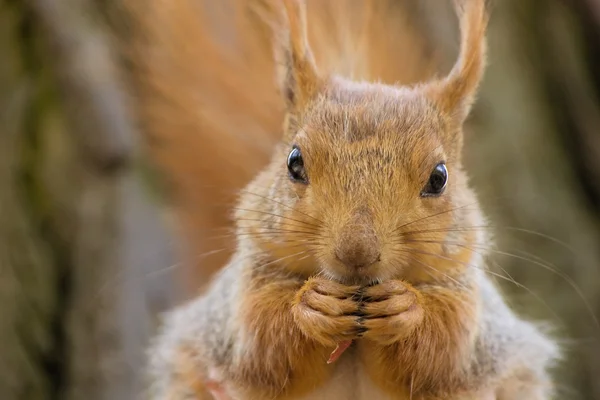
point(355, 111)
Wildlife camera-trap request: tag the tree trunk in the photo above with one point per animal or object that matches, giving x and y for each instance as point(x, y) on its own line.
point(81, 242)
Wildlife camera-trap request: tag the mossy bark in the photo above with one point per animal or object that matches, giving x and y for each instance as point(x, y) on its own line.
point(78, 234)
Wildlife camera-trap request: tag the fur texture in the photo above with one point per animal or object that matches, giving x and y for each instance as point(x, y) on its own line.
point(358, 249)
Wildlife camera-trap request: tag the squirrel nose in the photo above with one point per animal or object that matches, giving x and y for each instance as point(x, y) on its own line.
point(358, 247)
point(357, 257)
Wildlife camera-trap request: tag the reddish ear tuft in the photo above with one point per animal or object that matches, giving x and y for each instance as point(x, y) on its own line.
point(298, 76)
point(457, 91)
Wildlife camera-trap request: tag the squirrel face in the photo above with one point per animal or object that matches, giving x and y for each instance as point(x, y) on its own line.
point(371, 154)
point(365, 186)
point(367, 183)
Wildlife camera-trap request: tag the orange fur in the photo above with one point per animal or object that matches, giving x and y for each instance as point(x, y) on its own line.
point(433, 355)
point(352, 248)
point(289, 362)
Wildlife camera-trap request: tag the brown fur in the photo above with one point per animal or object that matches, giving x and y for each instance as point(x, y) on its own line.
point(356, 252)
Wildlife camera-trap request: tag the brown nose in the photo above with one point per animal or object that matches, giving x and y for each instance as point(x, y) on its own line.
point(358, 246)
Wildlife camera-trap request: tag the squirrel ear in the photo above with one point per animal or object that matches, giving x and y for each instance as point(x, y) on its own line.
point(456, 93)
point(297, 73)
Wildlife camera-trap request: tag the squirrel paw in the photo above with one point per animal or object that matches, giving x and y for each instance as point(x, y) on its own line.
point(326, 311)
point(390, 311)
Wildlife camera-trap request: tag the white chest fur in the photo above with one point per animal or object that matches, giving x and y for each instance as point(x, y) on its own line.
point(349, 382)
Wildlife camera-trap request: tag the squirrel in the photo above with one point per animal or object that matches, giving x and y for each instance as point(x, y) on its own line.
point(358, 271)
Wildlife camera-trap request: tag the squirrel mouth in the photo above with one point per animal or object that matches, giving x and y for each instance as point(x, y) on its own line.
point(357, 276)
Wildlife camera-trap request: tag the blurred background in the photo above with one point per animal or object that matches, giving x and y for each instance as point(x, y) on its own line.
point(103, 225)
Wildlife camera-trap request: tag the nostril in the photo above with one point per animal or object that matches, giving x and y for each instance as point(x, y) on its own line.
point(357, 259)
point(357, 245)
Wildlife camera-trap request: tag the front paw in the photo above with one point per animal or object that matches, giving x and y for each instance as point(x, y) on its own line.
point(391, 311)
point(327, 312)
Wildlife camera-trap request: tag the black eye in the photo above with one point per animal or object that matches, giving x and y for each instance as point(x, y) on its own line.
point(295, 165)
point(437, 181)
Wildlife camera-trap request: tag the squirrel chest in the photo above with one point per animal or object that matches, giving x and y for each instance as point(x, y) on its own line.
point(349, 382)
point(353, 233)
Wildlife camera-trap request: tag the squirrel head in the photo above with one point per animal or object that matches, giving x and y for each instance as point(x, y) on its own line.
point(367, 183)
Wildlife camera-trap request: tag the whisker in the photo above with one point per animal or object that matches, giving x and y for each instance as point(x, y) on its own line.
point(303, 225)
point(275, 230)
point(276, 215)
point(244, 229)
point(557, 272)
point(304, 258)
point(268, 229)
point(181, 264)
point(457, 282)
point(312, 242)
point(485, 270)
point(434, 215)
point(267, 233)
point(283, 204)
point(280, 259)
point(212, 252)
point(280, 230)
point(495, 227)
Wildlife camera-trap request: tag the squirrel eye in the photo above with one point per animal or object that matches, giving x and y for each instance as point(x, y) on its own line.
point(295, 165)
point(437, 181)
